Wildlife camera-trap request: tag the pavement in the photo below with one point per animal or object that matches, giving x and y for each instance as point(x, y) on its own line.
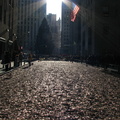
point(2, 70)
point(59, 90)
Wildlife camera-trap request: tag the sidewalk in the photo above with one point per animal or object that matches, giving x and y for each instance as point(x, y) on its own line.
point(2, 70)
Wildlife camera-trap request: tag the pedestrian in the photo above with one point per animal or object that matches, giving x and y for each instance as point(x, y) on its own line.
point(24, 58)
point(3, 60)
point(7, 60)
point(29, 59)
point(20, 58)
point(16, 60)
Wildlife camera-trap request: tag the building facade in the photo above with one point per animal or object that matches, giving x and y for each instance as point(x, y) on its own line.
point(58, 42)
point(65, 33)
point(8, 24)
point(87, 27)
point(31, 14)
point(107, 27)
point(100, 27)
point(56, 33)
point(70, 37)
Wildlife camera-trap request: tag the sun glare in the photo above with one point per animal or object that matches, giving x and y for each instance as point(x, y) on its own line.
point(54, 7)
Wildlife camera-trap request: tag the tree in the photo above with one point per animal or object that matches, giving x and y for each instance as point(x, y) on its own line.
point(44, 44)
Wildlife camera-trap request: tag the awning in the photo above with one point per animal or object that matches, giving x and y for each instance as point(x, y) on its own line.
point(10, 42)
point(2, 39)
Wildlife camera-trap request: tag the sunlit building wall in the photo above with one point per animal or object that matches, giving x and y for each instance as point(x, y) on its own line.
point(76, 31)
point(66, 30)
point(70, 37)
point(31, 14)
point(87, 27)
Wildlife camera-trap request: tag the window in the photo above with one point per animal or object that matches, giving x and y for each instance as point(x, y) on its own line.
point(25, 21)
point(4, 16)
point(83, 42)
point(10, 2)
point(105, 11)
point(0, 13)
point(83, 23)
point(89, 36)
point(13, 4)
point(28, 28)
point(105, 29)
point(24, 28)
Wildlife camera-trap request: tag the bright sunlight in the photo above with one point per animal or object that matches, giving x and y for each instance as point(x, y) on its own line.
point(54, 7)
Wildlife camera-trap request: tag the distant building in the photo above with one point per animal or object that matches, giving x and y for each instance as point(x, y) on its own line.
point(58, 42)
point(31, 14)
point(65, 33)
point(44, 44)
point(8, 24)
point(55, 30)
point(51, 18)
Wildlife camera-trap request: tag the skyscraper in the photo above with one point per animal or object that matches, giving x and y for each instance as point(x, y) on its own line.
point(65, 33)
point(70, 38)
point(31, 14)
point(55, 30)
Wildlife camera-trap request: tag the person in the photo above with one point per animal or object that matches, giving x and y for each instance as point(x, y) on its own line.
point(20, 58)
point(24, 58)
point(3, 60)
point(7, 60)
point(16, 60)
point(29, 59)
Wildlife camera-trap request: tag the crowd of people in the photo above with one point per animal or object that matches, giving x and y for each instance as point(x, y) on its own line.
point(100, 61)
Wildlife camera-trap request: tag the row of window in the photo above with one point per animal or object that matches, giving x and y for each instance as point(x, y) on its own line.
point(3, 10)
point(105, 30)
point(11, 2)
point(3, 15)
point(0, 12)
point(24, 14)
point(87, 2)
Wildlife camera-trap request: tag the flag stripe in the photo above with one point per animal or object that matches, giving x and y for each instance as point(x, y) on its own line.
point(74, 12)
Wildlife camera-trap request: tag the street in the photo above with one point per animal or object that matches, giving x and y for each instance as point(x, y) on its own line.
point(59, 90)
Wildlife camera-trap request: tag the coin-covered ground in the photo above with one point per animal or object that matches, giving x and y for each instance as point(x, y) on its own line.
point(59, 90)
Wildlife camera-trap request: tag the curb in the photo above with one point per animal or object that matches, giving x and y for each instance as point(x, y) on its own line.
point(14, 68)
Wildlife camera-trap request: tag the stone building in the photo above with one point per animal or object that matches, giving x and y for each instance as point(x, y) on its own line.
point(8, 25)
point(107, 27)
point(70, 34)
point(100, 27)
point(31, 14)
point(55, 26)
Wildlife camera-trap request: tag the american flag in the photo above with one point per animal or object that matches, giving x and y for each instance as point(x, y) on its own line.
point(75, 10)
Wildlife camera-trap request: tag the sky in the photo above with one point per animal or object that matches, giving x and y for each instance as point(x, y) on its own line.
point(54, 7)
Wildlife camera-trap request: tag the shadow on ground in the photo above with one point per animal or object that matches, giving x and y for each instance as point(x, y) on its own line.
point(113, 73)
